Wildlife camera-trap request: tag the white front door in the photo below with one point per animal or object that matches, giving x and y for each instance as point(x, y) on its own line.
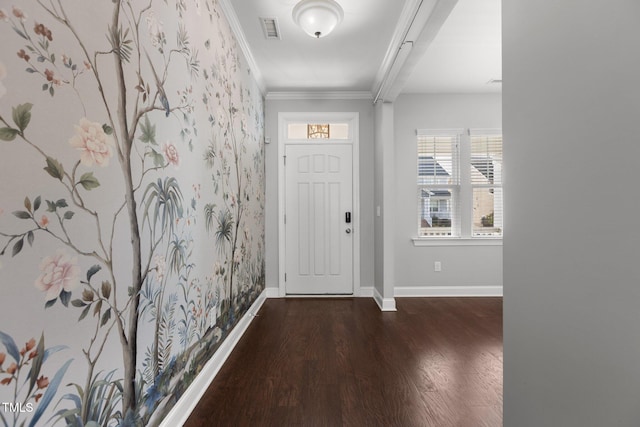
point(318, 230)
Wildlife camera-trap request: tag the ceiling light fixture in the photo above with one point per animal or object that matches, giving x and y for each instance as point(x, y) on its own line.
point(317, 17)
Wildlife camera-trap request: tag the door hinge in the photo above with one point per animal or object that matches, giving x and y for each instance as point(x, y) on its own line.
point(285, 219)
point(285, 160)
point(285, 277)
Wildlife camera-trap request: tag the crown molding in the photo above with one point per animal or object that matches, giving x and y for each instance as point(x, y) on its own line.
point(236, 28)
point(340, 95)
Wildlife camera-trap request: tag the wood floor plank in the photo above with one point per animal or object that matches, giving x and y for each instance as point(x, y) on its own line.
point(341, 362)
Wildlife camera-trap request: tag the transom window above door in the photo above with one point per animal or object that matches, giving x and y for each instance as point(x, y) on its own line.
point(318, 131)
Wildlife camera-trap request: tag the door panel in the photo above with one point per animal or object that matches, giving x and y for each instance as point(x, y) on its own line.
point(319, 250)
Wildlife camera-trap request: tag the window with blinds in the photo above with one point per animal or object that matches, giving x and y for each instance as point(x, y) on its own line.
point(438, 184)
point(486, 183)
point(459, 177)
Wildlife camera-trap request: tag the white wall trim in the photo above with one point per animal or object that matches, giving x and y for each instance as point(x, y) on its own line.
point(272, 292)
point(385, 304)
point(365, 292)
point(234, 23)
point(183, 408)
point(340, 95)
point(448, 291)
point(456, 241)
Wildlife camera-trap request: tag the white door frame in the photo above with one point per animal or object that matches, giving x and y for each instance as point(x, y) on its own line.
point(354, 130)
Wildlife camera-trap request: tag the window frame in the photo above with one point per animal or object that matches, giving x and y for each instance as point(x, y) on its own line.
point(463, 203)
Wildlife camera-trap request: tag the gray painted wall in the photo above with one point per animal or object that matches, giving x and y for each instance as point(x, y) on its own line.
point(461, 265)
point(365, 108)
point(385, 202)
point(572, 272)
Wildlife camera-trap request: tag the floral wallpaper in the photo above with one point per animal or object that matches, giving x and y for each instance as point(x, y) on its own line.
point(131, 207)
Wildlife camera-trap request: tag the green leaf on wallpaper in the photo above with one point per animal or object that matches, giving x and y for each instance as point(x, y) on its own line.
point(30, 238)
point(97, 308)
point(8, 134)
point(107, 129)
point(105, 317)
point(88, 181)
point(17, 247)
point(20, 33)
point(22, 214)
point(69, 214)
point(61, 203)
point(10, 346)
point(49, 393)
point(158, 159)
point(65, 297)
point(93, 270)
point(106, 289)
point(50, 303)
point(77, 303)
point(54, 168)
point(22, 115)
point(148, 132)
point(36, 203)
point(34, 373)
point(27, 203)
point(51, 206)
point(84, 313)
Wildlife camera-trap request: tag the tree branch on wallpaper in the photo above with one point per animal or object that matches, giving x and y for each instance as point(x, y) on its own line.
point(154, 208)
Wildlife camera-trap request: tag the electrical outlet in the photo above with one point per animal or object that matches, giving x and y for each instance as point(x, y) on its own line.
point(437, 266)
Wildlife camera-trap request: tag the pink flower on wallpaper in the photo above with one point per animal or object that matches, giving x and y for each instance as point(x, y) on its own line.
point(58, 272)
point(4, 16)
point(18, 13)
point(3, 74)
point(44, 221)
point(95, 146)
point(171, 153)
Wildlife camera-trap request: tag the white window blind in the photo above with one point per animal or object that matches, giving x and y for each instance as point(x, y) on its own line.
point(459, 183)
point(438, 179)
point(486, 182)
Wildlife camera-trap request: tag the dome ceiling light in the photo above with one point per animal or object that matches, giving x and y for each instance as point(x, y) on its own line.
point(317, 17)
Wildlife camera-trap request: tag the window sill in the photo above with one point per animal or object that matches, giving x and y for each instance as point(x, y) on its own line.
point(457, 241)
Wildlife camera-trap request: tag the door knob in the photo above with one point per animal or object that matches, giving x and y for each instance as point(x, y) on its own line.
point(348, 230)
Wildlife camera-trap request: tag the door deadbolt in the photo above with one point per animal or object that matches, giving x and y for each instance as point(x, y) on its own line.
point(348, 230)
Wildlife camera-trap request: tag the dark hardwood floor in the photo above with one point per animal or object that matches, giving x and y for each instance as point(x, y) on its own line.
point(341, 362)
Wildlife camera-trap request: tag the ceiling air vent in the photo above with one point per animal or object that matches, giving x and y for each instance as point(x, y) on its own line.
point(270, 28)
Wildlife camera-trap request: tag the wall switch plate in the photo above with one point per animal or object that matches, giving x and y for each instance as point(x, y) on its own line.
point(437, 266)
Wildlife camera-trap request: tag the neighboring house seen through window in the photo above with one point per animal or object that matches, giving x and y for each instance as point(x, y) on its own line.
point(459, 183)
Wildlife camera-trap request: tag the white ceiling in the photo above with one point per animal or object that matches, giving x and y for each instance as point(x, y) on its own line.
point(464, 55)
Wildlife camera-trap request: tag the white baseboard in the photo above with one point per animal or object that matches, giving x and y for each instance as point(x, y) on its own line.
point(183, 408)
point(385, 304)
point(273, 292)
point(448, 291)
point(366, 292)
